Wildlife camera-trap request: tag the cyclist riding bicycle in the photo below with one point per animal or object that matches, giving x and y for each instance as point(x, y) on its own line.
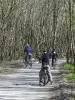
point(45, 61)
point(54, 56)
point(28, 52)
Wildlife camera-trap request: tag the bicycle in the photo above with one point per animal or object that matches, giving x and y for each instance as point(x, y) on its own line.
point(44, 76)
point(27, 61)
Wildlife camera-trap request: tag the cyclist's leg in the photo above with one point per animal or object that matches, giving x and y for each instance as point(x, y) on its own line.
point(30, 61)
point(30, 58)
point(52, 62)
point(50, 73)
point(25, 58)
point(55, 61)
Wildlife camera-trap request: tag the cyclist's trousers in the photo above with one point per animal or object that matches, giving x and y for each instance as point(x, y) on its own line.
point(27, 57)
point(48, 73)
point(53, 62)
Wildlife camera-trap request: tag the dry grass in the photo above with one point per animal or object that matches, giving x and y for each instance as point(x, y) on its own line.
point(8, 67)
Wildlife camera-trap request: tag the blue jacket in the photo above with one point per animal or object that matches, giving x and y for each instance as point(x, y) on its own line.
point(28, 50)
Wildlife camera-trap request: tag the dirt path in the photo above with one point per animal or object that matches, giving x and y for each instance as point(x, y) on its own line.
point(24, 85)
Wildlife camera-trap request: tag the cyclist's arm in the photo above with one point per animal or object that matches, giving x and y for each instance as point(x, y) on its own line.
point(40, 59)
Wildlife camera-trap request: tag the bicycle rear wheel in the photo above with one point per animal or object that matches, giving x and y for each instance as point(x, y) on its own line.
point(44, 81)
point(30, 64)
point(45, 78)
point(25, 61)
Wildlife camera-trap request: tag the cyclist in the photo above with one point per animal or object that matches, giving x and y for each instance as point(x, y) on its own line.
point(28, 52)
point(45, 61)
point(54, 55)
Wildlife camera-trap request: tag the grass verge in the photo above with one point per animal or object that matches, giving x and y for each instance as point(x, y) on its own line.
point(71, 75)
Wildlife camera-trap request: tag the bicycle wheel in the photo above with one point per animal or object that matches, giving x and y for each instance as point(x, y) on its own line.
point(25, 63)
point(30, 61)
point(44, 81)
point(30, 64)
point(45, 78)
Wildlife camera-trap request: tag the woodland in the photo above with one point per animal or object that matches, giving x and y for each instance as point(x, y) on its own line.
point(41, 23)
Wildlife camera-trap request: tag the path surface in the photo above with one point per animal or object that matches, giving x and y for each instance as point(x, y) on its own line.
point(24, 85)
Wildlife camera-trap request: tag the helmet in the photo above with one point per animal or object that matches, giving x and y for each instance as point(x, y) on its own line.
point(45, 50)
point(27, 44)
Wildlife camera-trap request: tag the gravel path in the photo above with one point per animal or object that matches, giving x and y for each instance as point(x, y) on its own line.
point(24, 85)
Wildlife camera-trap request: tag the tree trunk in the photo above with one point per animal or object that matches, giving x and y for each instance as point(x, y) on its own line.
point(74, 62)
point(54, 23)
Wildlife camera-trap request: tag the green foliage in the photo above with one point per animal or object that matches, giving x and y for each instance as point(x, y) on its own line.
point(70, 76)
point(69, 66)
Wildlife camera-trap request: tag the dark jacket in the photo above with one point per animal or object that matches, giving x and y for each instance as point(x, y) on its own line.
point(49, 55)
point(53, 54)
point(45, 59)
